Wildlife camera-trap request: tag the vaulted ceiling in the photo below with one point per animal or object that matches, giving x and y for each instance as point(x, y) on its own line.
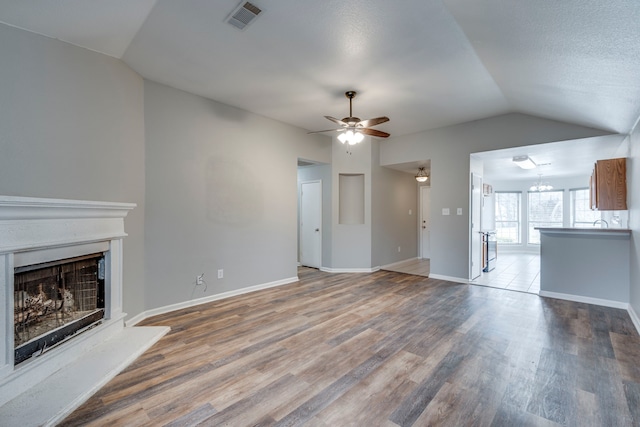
point(423, 63)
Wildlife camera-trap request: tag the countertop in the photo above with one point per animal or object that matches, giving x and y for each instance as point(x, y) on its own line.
point(583, 231)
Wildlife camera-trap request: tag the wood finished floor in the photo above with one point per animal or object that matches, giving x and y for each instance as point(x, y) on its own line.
point(380, 349)
point(419, 267)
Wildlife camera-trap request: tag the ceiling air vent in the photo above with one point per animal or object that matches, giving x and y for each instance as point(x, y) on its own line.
point(244, 14)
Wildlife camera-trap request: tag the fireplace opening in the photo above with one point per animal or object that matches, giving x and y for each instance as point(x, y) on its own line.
point(54, 301)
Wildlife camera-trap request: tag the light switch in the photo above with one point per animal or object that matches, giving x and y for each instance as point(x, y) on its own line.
point(459, 212)
point(410, 212)
point(445, 211)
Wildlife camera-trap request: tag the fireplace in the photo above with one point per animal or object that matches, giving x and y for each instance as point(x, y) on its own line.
point(60, 274)
point(54, 301)
point(62, 332)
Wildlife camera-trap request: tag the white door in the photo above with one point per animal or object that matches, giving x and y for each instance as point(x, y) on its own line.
point(476, 238)
point(425, 222)
point(310, 224)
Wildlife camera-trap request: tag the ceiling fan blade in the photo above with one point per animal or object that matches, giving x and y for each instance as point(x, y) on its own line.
point(373, 122)
point(374, 132)
point(326, 130)
point(334, 120)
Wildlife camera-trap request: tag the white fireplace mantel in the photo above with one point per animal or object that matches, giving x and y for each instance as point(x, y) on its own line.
point(35, 230)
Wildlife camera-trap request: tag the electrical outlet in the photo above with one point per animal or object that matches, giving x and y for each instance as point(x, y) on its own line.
point(220, 274)
point(200, 279)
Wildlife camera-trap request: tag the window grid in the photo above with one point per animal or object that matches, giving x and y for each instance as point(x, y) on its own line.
point(581, 214)
point(507, 215)
point(544, 210)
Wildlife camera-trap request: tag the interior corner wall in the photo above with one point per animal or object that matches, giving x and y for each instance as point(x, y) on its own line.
point(72, 125)
point(351, 243)
point(633, 195)
point(394, 213)
point(449, 149)
point(322, 173)
point(221, 194)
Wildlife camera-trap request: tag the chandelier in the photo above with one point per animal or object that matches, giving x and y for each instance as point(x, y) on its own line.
point(422, 175)
point(540, 186)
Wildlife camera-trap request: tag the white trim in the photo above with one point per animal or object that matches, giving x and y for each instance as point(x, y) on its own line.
point(586, 300)
point(449, 278)
point(394, 264)
point(186, 304)
point(350, 270)
point(634, 317)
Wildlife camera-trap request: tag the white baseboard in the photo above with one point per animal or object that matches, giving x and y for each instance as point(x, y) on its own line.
point(634, 318)
point(185, 304)
point(448, 278)
point(586, 300)
point(393, 264)
point(349, 270)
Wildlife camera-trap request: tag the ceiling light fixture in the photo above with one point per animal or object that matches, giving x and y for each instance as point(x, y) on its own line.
point(540, 186)
point(351, 137)
point(525, 162)
point(422, 175)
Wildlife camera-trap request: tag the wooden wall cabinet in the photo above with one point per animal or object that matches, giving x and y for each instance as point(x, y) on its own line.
point(608, 185)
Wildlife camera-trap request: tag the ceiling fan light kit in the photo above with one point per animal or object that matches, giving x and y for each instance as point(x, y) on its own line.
point(351, 137)
point(352, 128)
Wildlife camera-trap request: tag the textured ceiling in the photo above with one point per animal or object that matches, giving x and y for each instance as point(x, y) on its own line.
point(423, 63)
point(556, 159)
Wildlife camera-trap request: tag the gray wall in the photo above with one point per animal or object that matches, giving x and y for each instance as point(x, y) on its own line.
point(449, 150)
point(72, 124)
point(394, 194)
point(351, 243)
point(322, 173)
point(633, 194)
point(221, 194)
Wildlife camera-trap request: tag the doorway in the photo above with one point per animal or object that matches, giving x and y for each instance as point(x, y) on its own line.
point(425, 222)
point(476, 219)
point(311, 224)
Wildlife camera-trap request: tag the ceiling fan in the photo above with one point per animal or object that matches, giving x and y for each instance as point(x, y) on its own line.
point(353, 129)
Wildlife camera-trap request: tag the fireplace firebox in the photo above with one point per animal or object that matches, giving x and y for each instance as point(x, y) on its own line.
point(54, 301)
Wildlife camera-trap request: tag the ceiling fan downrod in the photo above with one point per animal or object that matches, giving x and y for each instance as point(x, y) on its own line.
point(350, 94)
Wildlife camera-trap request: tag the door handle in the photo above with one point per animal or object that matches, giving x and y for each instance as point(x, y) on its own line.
point(317, 229)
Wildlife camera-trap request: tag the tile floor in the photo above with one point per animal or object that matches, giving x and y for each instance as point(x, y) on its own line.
point(515, 272)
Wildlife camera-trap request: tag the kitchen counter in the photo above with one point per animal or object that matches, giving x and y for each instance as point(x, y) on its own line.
point(585, 264)
point(584, 230)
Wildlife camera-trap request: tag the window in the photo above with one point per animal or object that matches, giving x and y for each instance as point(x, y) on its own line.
point(545, 210)
point(581, 215)
point(508, 217)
